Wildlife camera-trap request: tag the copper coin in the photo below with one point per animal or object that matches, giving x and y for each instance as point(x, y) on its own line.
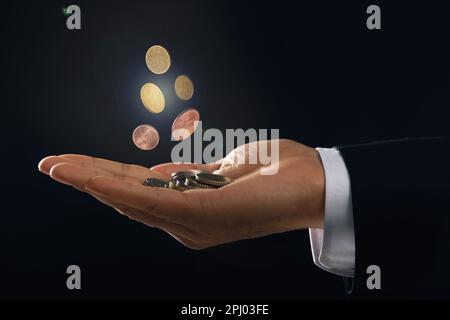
point(145, 137)
point(185, 124)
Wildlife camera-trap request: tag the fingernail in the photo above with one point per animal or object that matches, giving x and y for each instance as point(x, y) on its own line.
point(43, 171)
point(43, 168)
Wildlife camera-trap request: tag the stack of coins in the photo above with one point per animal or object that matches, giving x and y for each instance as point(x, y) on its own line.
point(188, 180)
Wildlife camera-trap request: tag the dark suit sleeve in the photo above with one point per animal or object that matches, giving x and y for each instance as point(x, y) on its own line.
point(401, 210)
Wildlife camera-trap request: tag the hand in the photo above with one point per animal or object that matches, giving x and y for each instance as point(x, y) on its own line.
point(253, 205)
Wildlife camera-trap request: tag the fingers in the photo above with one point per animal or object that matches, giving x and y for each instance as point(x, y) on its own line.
point(71, 174)
point(166, 204)
point(47, 163)
point(115, 168)
point(111, 167)
point(170, 205)
point(167, 169)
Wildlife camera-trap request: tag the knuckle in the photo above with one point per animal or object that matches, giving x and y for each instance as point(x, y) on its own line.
point(125, 169)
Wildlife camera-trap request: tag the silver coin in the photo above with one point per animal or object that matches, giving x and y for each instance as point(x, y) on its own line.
point(193, 179)
point(182, 175)
point(178, 179)
point(156, 183)
point(178, 185)
point(191, 182)
point(212, 179)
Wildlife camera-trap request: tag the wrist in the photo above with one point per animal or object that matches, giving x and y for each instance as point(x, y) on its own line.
point(318, 193)
point(310, 208)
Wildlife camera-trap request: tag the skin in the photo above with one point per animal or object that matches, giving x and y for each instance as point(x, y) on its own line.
point(252, 206)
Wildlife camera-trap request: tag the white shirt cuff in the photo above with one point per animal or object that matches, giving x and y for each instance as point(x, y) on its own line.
point(333, 248)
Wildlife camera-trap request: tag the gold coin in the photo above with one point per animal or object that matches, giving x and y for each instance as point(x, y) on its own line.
point(152, 98)
point(184, 88)
point(157, 59)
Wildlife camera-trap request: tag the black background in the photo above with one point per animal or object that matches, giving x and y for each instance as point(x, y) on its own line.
point(310, 68)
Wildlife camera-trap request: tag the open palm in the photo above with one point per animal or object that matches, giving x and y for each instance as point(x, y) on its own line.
point(253, 205)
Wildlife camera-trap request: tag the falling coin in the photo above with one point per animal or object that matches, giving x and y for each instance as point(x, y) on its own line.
point(152, 98)
point(185, 124)
point(184, 88)
point(145, 137)
point(157, 59)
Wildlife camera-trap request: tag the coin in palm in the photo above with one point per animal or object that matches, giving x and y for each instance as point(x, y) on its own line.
point(212, 179)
